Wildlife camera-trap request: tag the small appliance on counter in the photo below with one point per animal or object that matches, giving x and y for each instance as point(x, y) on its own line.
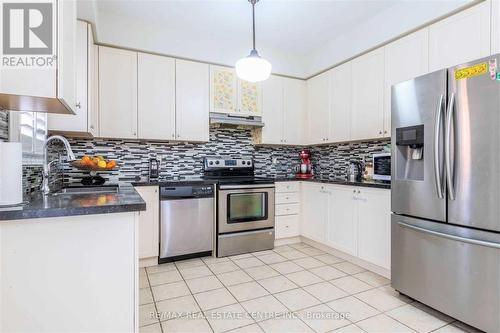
point(154, 168)
point(382, 166)
point(355, 171)
point(305, 168)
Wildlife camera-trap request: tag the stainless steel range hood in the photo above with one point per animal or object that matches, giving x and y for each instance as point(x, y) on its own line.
point(230, 119)
point(33, 104)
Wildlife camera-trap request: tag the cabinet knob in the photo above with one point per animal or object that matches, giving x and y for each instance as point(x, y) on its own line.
point(79, 105)
point(353, 191)
point(134, 134)
point(359, 191)
point(385, 132)
point(91, 127)
point(379, 132)
point(173, 135)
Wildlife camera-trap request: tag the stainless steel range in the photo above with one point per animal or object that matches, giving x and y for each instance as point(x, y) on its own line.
point(245, 206)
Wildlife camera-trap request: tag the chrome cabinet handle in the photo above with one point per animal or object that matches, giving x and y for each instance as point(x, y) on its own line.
point(449, 167)
point(452, 237)
point(437, 132)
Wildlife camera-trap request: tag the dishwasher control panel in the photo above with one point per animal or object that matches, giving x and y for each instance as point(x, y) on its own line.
point(186, 191)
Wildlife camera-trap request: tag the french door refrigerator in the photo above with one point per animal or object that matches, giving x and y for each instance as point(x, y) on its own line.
point(445, 230)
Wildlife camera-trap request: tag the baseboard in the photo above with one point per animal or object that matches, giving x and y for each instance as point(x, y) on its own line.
point(147, 262)
point(286, 241)
point(360, 262)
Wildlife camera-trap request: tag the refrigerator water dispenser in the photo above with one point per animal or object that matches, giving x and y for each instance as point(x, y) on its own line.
point(410, 153)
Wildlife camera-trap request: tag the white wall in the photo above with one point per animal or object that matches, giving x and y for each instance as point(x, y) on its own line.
point(383, 26)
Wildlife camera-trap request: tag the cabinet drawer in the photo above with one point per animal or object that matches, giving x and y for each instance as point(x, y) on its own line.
point(286, 226)
point(287, 187)
point(287, 209)
point(284, 198)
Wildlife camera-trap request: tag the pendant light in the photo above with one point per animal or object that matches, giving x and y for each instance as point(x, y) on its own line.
point(253, 68)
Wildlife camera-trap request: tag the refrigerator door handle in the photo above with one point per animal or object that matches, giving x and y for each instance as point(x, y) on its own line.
point(452, 237)
point(437, 137)
point(448, 162)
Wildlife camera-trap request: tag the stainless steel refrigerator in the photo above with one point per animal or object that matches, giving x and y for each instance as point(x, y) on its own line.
point(445, 232)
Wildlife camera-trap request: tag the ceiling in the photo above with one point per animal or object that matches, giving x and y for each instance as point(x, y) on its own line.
point(219, 31)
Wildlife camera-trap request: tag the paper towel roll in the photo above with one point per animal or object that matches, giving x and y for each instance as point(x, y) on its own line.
point(11, 173)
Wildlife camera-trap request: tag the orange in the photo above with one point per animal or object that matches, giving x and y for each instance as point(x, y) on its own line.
point(111, 164)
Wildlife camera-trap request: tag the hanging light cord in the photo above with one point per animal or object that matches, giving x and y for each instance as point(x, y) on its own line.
point(253, 2)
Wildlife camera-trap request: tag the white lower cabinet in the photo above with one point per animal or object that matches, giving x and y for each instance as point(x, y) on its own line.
point(287, 209)
point(341, 228)
point(149, 222)
point(315, 201)
point(354, 220)
point(374, 226)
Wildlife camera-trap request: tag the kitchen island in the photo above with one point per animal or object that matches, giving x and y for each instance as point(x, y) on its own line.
point(68, 262)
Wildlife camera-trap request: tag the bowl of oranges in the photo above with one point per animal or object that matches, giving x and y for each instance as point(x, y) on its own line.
point(94, 163)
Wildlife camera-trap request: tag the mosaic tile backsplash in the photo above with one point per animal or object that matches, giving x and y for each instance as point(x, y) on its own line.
point(4, 125)
point(186, 159)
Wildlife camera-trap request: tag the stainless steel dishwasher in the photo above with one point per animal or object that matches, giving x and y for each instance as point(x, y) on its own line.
point(186, 221)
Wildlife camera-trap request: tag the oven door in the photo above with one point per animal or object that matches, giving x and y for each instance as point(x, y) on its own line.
point(245, 207)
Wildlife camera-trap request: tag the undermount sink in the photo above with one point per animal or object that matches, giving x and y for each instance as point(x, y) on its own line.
point(87, 190)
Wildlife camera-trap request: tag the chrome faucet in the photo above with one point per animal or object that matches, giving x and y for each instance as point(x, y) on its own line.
point(70, 156)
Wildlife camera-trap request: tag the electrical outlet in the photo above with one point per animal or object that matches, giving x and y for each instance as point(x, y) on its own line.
point(275, 160)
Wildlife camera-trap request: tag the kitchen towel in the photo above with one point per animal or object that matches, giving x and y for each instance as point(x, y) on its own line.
point(11, 173)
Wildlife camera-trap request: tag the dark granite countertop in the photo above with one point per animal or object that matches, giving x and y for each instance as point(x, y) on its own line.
point(126, 199)
point(338, 182)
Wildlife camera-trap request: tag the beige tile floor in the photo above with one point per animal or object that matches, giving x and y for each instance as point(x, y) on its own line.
point(293, 288)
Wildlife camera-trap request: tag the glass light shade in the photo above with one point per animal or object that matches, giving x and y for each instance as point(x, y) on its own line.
point(253, 68)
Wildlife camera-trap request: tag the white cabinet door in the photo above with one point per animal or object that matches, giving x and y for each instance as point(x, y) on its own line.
point(294, 106)
point(149, 221)
point(78, 121)
point(405, 59)
point(367, 120)
point(340, 113)
point(66, 55)
point(223, 90)
point(318, 108)
point(192, 100)
point(342, 221)
point(93, 84)
point(272, 110)
point(460, 38)
point(155, 97)
point(495, 27)
point(315, 202)
point(249, 98)
point(117, 93)
point(374, 226)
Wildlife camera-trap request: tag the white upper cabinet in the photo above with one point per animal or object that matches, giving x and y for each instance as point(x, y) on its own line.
point(342, 219)
point(341, 100)
point(374, 226)
point(367, 120)
point(406, 58)
point(117, 93)
point(283, 110)
point(155, 97)
point(228, 94)
point(460, 38)
point(223, 90)
point(294, 106)
point(249, 98)
point(57, 82)
point(81, 122)
point(318, 108)
point(495, 27)
point(272, 110)
point(192, 100)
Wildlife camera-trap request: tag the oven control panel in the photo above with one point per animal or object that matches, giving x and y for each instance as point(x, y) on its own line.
point(224, 163)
